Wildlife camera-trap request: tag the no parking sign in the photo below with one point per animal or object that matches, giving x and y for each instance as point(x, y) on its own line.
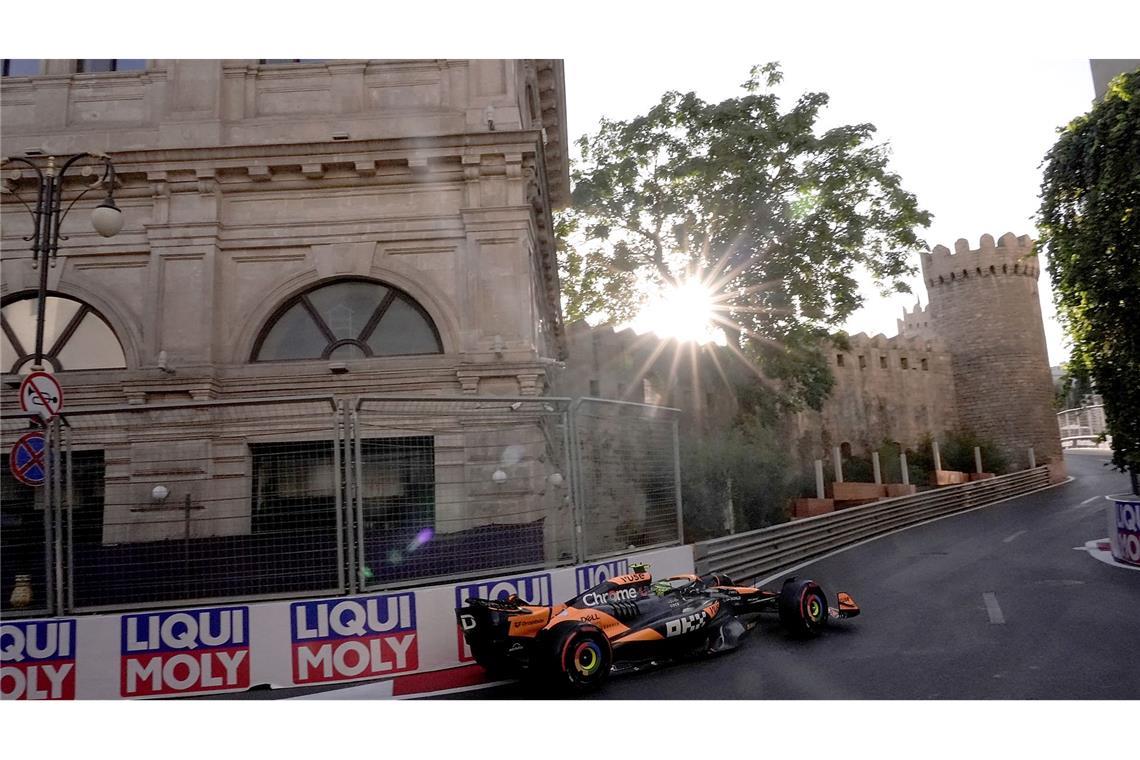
point(26, 460)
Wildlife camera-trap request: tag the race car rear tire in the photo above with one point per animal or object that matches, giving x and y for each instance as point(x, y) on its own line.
point(577, 658)
point(803, 607)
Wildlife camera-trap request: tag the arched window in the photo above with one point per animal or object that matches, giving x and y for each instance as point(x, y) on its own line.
point(348, 319)
point(75, 336)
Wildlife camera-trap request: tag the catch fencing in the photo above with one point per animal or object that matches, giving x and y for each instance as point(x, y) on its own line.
point(202, 502)
point(1086, 423)
point(753, 555)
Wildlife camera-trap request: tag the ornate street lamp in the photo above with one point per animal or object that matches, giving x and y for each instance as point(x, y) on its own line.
point(106, 218)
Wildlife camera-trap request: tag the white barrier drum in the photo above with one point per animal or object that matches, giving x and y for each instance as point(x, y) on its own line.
point(1124, 529)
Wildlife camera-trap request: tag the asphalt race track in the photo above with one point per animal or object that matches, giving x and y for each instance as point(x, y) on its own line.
point(990, 604)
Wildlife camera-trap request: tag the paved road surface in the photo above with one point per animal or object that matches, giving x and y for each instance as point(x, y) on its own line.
point(991, 604)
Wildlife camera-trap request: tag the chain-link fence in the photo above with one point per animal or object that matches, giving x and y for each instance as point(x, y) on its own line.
point(627, 479)
point(202, 501)
point(26, 532)
point(250, 499)
point(459, 486)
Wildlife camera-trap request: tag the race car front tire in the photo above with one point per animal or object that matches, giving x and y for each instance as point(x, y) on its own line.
point(577, 658)
point(803, 607)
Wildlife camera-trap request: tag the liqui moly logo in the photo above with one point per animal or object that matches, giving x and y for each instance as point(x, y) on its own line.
point(350, 639)
point(532, 589)
point(184, 652)
point(589, 576)
point(1127, 544)
point(37, 659)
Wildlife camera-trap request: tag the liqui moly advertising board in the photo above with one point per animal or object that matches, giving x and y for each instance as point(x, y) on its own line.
point(184, 652)
point(588, 576)
point(37, 659)
point(353, 639)
point(1125, 529)
point(532, 589)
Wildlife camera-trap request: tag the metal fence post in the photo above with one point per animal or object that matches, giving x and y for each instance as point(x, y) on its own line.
point(350, 494)
point(576, 484)
point(677, 481)
point(338, 484)
point(358, 508)
point(56, 506)
point(70, 495)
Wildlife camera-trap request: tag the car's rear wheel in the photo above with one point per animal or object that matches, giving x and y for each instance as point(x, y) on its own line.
point(803, 607)
point(577, 658)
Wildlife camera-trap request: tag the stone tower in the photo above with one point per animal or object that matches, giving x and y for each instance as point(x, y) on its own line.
point(985, 307)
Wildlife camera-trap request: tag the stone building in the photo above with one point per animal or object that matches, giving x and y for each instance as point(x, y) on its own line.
point(293, 229)
point(973, 359)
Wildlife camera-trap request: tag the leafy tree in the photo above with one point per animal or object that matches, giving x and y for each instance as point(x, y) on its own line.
point(776, 218)
point(1090, 227)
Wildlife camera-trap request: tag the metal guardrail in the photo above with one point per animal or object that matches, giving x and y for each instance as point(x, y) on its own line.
point(758, 553)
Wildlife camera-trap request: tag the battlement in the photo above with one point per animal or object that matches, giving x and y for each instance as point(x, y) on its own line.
point(895, 343)
point(1010, 255)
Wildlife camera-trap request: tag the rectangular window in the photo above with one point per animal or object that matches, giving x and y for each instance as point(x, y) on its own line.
point(96, 65)
point(904, 363)
point(839, 359)
point(925, 366)
point(21, 67)
point(594, 388)
point(882, 362)
point(862, 362)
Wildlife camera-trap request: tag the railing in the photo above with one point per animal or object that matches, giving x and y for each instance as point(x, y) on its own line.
point(752, 555)
point(1085, 423)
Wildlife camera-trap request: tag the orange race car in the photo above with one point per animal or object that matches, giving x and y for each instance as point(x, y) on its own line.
point(630, 621)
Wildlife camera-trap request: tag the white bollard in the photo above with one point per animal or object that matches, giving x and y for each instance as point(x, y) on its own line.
point(1032, 459)
point(837, 463)
point(819, 490)
point(978, 458)
point(937, 455)
point(875, 466)
point(902, 466)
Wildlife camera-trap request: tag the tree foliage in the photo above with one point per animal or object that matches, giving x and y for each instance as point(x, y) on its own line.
point(1090, 228)
point(750, 199)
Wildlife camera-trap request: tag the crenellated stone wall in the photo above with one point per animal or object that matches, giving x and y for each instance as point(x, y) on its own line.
point(985, 307)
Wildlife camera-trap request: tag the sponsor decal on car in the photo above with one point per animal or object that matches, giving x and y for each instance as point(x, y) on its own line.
point(595, 599)
point(589, 576)
point(690, 623)
point(531, 589)
point(350, 639)
point(184, 652)
point(37, 659)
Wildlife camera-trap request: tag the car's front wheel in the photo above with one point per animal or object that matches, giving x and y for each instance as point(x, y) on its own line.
point(803, 607)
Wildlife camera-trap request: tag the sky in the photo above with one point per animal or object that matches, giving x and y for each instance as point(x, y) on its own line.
point(967, 133)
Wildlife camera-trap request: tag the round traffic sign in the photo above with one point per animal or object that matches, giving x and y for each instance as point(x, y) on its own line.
point(40, 393)
point(26, 459)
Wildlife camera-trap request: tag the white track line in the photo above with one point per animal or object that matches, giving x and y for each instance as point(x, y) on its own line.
point(1007, 539)
point(782, 573)
point(993, 609)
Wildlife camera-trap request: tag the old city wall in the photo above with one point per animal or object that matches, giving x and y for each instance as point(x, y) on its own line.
point(985, 307)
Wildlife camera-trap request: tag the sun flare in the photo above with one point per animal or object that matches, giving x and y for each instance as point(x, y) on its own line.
point(685, 312)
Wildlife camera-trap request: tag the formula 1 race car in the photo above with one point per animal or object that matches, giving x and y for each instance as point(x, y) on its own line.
point(630, 621)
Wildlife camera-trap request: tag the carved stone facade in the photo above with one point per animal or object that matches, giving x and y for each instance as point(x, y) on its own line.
point(243, 184)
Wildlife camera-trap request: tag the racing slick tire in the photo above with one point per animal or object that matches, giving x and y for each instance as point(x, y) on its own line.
point(803, 607)
point(576, 658)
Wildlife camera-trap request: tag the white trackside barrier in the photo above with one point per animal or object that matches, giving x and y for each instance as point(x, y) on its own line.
point(234, 647)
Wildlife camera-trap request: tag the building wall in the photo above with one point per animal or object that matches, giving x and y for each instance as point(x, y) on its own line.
point(895, 389)
point(237, 196)
point(243, 185)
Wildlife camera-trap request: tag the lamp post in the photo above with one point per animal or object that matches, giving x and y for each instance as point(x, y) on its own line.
point(48, 218)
